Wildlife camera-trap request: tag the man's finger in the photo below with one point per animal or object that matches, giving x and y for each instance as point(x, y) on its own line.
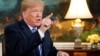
point(49, 16)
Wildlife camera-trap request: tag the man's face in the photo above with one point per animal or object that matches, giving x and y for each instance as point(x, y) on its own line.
point(33, 15)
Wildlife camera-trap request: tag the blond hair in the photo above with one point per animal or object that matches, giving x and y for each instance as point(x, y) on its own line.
point(30, 3)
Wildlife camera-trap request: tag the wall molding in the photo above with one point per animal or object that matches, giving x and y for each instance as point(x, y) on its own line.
point(70, 45)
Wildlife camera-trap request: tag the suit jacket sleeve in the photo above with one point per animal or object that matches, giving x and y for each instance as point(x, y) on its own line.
point(53, 50)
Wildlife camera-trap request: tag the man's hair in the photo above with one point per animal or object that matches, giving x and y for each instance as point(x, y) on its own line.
point(30, 3)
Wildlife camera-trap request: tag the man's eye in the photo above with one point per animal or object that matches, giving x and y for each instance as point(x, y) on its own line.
point(37, 11)
point(41, 11)
point(34, 11)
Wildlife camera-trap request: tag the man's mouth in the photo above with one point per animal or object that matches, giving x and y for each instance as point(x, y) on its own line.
point(38, 20)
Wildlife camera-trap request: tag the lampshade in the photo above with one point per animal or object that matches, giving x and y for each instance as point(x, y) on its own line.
point(78, 9)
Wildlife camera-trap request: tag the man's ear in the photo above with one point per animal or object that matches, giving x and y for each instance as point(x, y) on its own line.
point(23, 14)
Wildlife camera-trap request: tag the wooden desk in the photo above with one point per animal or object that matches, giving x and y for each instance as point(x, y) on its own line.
point(83, 52)
point(69, 47)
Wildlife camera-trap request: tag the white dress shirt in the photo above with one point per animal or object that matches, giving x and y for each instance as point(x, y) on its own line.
point(40, 32)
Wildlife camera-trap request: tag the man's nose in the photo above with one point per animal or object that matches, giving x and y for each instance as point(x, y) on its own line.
point(39, 14)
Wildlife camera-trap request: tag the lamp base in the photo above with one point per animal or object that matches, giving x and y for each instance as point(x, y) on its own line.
point(77, 44)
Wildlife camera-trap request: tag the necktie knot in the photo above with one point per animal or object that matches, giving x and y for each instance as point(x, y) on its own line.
point(34, 29)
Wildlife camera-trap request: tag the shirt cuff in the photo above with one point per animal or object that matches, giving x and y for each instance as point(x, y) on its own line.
point(41, 33)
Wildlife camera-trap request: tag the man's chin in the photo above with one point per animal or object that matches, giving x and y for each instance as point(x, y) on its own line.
point(38, 25)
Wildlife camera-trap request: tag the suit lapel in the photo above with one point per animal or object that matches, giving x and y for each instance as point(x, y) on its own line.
point(27, 32)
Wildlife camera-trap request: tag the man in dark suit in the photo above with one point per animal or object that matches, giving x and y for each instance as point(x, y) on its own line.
point(30, 36)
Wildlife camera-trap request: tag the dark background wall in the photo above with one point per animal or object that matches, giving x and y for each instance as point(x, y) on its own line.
point(12, 7)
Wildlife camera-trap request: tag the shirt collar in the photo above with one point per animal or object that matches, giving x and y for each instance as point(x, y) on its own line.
point(30, 27)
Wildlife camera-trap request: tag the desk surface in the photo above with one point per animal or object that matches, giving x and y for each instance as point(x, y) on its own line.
point(80, 49)
point(82, 52)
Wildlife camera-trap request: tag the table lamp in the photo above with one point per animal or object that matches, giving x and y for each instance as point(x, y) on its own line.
point(78, 9)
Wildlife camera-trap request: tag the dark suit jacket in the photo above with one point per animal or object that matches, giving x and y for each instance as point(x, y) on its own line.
point(20, 41)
